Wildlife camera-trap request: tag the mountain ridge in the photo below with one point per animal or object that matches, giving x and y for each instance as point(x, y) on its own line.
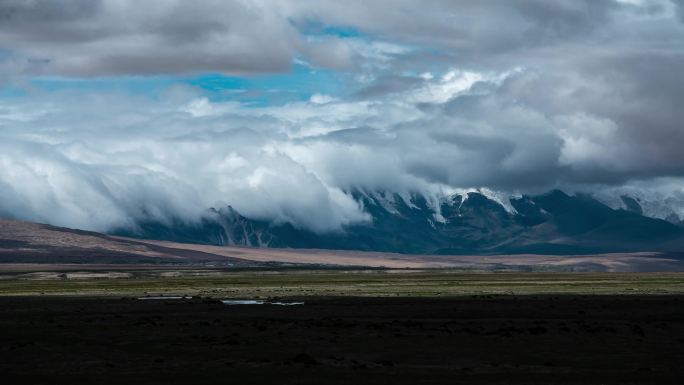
point(466, 223)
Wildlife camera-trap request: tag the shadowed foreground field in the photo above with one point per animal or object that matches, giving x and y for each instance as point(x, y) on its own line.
point(434, 327)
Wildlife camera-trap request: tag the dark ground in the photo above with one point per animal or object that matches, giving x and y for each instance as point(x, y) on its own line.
point(471, 340)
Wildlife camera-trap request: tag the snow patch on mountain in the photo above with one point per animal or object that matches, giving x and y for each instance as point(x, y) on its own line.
point(408, 200)
point(386, 200)
point(434, 203)
point(500, 197)
point(435, 200)
point(667, 205)
point(504, 199)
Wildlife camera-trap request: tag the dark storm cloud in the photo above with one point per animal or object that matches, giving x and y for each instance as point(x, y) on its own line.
point(101, 37)
point(469, 26)
point(106, 37)
point(388, 85)
point(679, 5)
point(617, 112)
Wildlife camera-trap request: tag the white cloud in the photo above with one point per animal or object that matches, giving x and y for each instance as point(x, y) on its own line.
point(321, 99)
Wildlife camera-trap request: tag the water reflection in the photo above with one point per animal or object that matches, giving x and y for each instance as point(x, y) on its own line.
point(259, 302)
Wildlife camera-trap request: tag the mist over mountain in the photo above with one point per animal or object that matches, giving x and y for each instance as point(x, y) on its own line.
point(476, 222)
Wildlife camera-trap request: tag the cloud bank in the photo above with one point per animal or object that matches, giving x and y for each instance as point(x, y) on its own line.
point(518, 96)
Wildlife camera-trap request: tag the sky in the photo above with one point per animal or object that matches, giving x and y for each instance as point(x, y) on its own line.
point(116, 111)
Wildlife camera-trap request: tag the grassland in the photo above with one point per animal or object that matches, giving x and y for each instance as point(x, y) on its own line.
point(331, 283)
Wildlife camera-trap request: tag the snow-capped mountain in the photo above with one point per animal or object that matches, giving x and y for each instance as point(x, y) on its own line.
point(669, 207)
point(472, 221)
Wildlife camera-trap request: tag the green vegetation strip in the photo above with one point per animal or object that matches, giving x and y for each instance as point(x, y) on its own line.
point(262, 284)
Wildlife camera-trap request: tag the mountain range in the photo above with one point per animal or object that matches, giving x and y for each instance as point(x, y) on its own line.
point(475, 222)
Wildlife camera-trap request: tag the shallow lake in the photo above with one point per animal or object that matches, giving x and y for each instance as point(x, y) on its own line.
point(163, 298)
point(259, 302)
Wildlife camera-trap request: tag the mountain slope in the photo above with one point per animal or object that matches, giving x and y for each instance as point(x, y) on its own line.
point(31, 247)
point(26, 242)
point(469, 223)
